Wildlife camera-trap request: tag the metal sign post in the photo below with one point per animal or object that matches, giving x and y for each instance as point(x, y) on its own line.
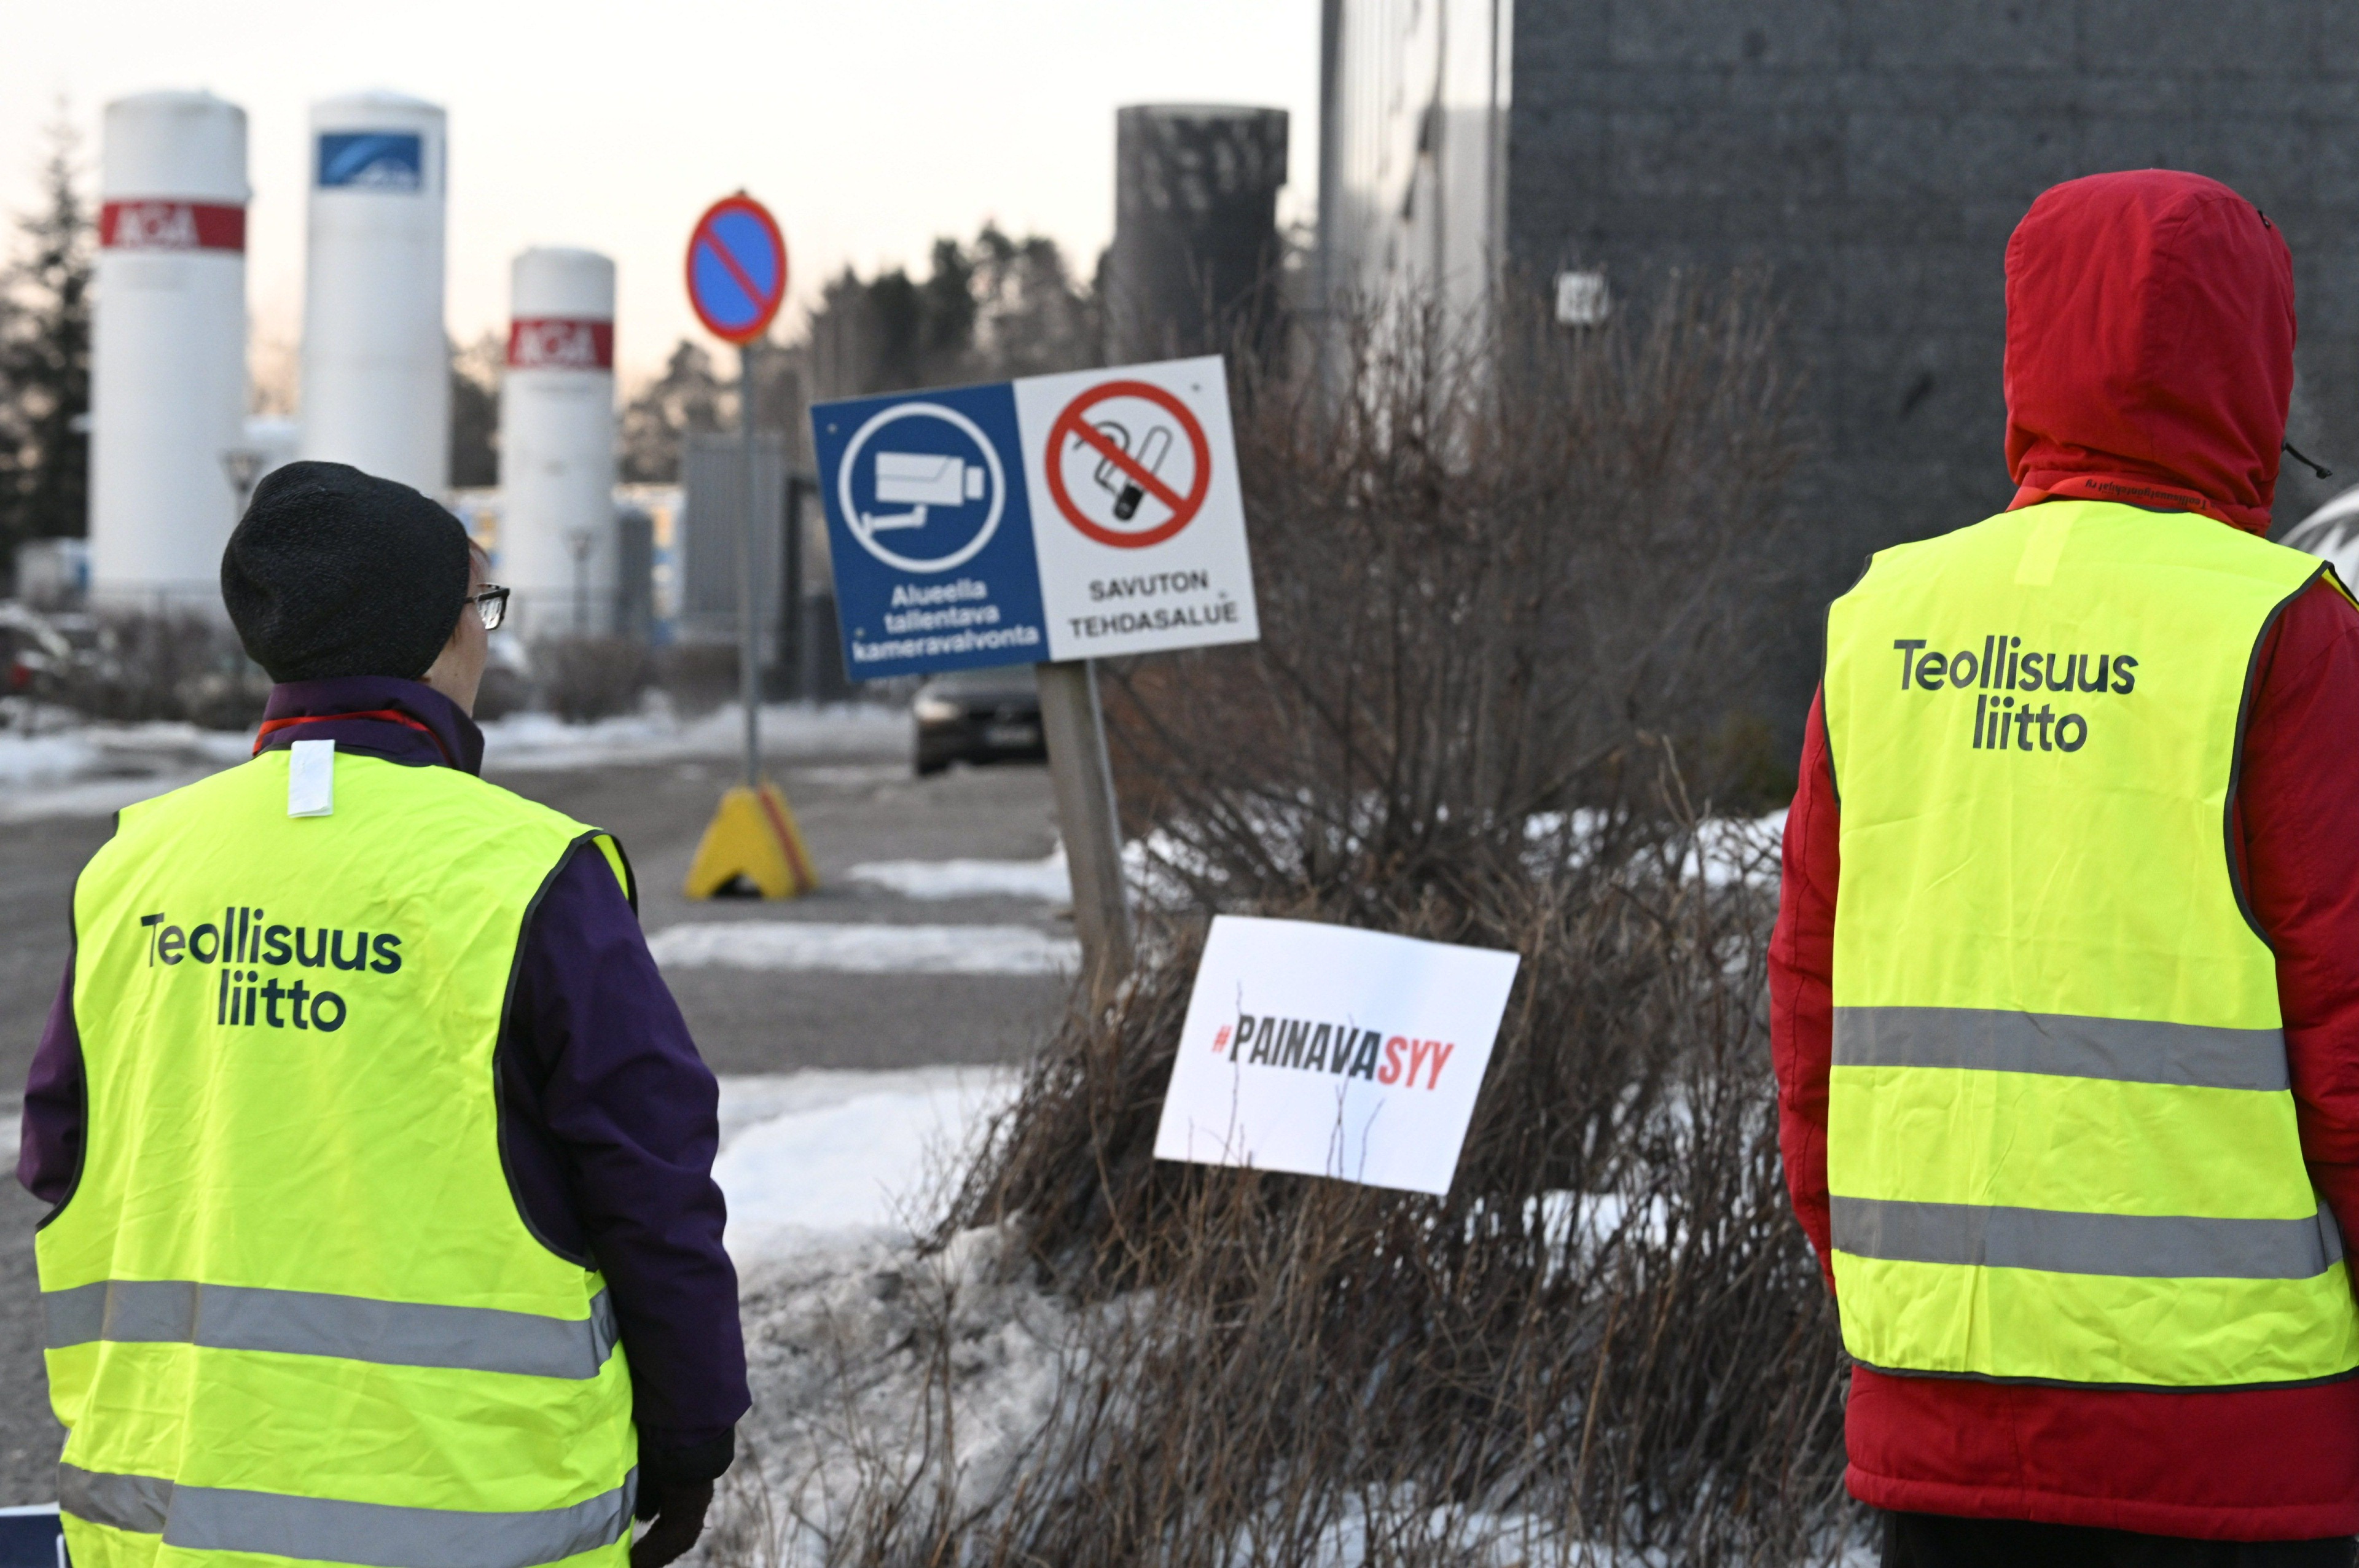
point(749, 634)
point(1083, 779)
point(736, 281)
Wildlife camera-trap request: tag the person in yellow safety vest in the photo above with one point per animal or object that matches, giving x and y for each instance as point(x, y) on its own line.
point(383, 1225)
point(2065, 983)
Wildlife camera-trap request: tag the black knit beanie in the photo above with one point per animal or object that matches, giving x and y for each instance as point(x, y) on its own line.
point(335, 572)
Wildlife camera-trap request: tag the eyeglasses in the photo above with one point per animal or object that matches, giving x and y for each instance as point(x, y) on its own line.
point(492, 604)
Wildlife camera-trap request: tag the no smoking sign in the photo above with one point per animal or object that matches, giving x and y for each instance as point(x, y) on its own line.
point(1138, 519)
point(1128, 464)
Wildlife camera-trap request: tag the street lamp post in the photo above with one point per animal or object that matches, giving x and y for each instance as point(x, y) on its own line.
point(578, 541)
point(243, 467)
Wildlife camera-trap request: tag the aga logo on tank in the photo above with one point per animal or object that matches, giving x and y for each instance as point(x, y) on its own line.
point(559, 343)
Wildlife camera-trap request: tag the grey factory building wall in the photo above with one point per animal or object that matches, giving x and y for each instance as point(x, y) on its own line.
point(1873, 157)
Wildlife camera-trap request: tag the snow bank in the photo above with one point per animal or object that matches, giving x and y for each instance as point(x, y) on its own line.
point(98, 798)
point(863, 1358)
point(44, 759)
point(1045, 880)
point(860, 949)
point(58, 754)
point(849, 1155)
point(798, 730)
point(825, 1173)
point(89, 769)
point(73, 768)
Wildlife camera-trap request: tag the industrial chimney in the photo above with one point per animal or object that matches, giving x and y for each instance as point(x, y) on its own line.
point(558, 539)
point(1196, 252)
point(376, 370)
point(168, 372)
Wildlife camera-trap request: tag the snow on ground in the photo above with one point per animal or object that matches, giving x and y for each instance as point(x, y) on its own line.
point(39, 758)
point(1730, 850)
point(790, 731)
point(862, 949)
point(1047, 879)
point(68, 767)
point(97, 797)
point(1150, 865)
point(827, 1173)
point(1725, 849)
point(852, 1154)
point(852, 1349)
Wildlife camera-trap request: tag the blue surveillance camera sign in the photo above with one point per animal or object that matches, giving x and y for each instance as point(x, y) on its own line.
point(930, 531)
point(933, 491)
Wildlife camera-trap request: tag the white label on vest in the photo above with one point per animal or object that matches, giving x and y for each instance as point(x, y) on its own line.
point(312, 779)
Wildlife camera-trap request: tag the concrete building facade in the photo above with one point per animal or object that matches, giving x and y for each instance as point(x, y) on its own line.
point(1871, 156)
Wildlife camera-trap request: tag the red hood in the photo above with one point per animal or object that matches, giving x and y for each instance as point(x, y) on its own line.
point(2149, 346)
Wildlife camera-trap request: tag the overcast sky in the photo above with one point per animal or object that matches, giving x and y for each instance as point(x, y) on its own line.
point(869, 125)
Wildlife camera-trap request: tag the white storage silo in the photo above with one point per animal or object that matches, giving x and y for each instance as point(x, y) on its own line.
point(167, 347)
point(559, 543)
point(376, 370)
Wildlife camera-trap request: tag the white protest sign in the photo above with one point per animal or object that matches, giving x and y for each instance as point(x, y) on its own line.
point(1332, 1052)
point(1137, 518)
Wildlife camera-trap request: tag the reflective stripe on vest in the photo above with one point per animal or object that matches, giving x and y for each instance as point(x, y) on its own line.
point(210, 1519)
point(2061, 1141)
point(2132, 1050)
point(308, 1323)
point(291, 1308)
point(2138, 1245)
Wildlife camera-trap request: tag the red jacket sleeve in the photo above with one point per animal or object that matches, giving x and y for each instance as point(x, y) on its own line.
point(2297, 816)
point(1801, 983)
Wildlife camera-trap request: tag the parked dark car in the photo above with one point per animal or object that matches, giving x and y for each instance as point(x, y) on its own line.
point(40, 652)
point(978, 716)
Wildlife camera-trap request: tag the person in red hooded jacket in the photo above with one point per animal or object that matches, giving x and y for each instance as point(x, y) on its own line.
point(2148, 361)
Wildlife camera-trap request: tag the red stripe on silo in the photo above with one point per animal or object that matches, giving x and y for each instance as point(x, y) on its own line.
point(560, 342)
point(171, 226)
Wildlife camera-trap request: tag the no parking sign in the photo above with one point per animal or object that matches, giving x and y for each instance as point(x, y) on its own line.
point(1058, 517)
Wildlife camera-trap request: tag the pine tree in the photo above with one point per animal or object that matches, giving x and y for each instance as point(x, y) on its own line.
point(475, 372)
point(1001, 307)
point(45, 360)
point(686, 399)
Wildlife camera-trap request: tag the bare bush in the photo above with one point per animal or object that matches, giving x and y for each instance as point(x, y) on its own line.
point(504, 689)
point(587, 678)
point(167, 664)
point(697, 676)
point(1498, 576)
point(1502, 554)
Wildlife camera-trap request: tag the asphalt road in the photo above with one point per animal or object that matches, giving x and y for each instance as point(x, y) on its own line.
point(852, 810)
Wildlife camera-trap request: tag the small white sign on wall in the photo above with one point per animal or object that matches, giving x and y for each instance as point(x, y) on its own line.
point(1332, 1052)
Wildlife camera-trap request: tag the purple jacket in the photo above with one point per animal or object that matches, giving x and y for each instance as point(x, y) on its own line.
point(608, 1113)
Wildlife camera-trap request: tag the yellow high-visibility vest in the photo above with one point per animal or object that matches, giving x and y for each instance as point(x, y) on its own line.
point(292, 1311)
point(2060, 1141)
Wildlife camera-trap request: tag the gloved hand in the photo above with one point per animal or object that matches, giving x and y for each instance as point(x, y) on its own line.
point(677, 1508)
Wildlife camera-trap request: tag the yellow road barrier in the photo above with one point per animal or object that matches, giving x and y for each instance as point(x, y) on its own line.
point(753, 836)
